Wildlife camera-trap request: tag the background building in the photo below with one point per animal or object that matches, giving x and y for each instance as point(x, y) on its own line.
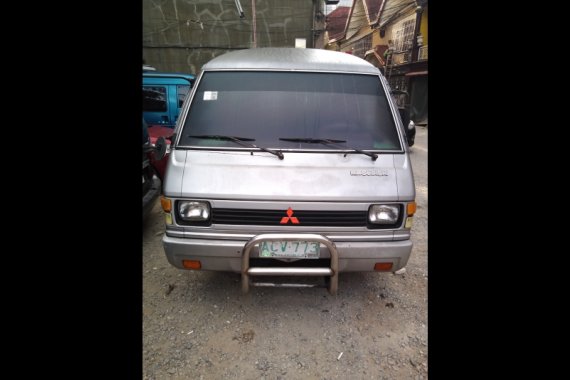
point(374, 26)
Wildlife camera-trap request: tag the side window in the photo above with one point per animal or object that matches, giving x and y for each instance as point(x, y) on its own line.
point(182, 92)
point(154, 99)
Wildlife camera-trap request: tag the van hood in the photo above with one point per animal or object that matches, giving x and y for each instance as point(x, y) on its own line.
point(241, 175)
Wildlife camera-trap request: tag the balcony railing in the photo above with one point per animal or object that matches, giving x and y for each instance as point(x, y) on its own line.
point(405, 56)
point(423, 53)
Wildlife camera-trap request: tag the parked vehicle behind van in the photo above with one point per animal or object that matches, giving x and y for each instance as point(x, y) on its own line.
point(163, 96)
point(151, 155)
point(289, 162)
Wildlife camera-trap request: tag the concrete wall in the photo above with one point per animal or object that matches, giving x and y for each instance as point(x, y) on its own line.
point(182, 35)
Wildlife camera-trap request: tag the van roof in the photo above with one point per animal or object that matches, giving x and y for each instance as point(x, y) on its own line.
point(290, 59)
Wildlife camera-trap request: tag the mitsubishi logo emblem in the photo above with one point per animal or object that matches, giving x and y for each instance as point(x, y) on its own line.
point(289, 216)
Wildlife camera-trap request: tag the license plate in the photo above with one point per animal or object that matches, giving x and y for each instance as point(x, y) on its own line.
point(290, 249)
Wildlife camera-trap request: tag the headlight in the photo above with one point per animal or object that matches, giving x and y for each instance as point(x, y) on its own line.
point(383, 214)
point(411, 125)
point(194, 211)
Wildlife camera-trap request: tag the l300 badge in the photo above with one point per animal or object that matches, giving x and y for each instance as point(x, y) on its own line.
point(369, 172)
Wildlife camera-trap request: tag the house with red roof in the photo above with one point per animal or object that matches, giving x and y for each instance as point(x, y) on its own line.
point(392, 35)
point(335, 23)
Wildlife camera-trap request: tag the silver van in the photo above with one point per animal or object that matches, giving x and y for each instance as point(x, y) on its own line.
point(289, 162)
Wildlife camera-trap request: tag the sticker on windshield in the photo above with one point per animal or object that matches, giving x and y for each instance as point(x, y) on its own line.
point(210, 95)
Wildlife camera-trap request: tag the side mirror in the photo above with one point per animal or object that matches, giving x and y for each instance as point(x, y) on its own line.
point(160, 147)
point(411, 133)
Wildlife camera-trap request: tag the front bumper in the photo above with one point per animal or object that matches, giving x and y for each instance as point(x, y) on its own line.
point(226, 255)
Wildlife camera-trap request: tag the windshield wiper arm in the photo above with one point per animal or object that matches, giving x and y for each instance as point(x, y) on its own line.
point(374, 156)
point(239, 140)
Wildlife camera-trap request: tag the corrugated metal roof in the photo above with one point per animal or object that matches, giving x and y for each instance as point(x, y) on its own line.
point(290, 59)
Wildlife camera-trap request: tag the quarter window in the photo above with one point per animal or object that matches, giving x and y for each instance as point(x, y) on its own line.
point(182, 93)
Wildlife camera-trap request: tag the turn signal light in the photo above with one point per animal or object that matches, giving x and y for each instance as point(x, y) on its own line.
point(411, 208)
point(383, 266)
point(166, 204)
point(191, 264)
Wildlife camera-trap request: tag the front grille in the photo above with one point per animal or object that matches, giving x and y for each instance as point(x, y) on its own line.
point(306, 218)
point(273, 217)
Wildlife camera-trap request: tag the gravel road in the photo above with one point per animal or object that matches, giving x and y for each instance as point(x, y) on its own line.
point(198, 325)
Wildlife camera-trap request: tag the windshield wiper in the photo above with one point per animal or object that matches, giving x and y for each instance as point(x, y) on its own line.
point(238, 140)
point(328, 142)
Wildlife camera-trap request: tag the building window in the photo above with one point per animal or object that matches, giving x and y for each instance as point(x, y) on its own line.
point(398, 83)
point(360, 47)
point(404, 39)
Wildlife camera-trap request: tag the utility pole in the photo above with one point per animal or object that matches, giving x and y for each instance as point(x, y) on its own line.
point(313, 28)
point(254, 23)
point(415, 50)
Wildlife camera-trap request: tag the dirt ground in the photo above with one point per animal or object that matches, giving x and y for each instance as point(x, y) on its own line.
point(198, 325)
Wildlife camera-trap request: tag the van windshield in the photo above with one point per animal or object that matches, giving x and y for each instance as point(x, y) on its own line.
point(270, 106)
